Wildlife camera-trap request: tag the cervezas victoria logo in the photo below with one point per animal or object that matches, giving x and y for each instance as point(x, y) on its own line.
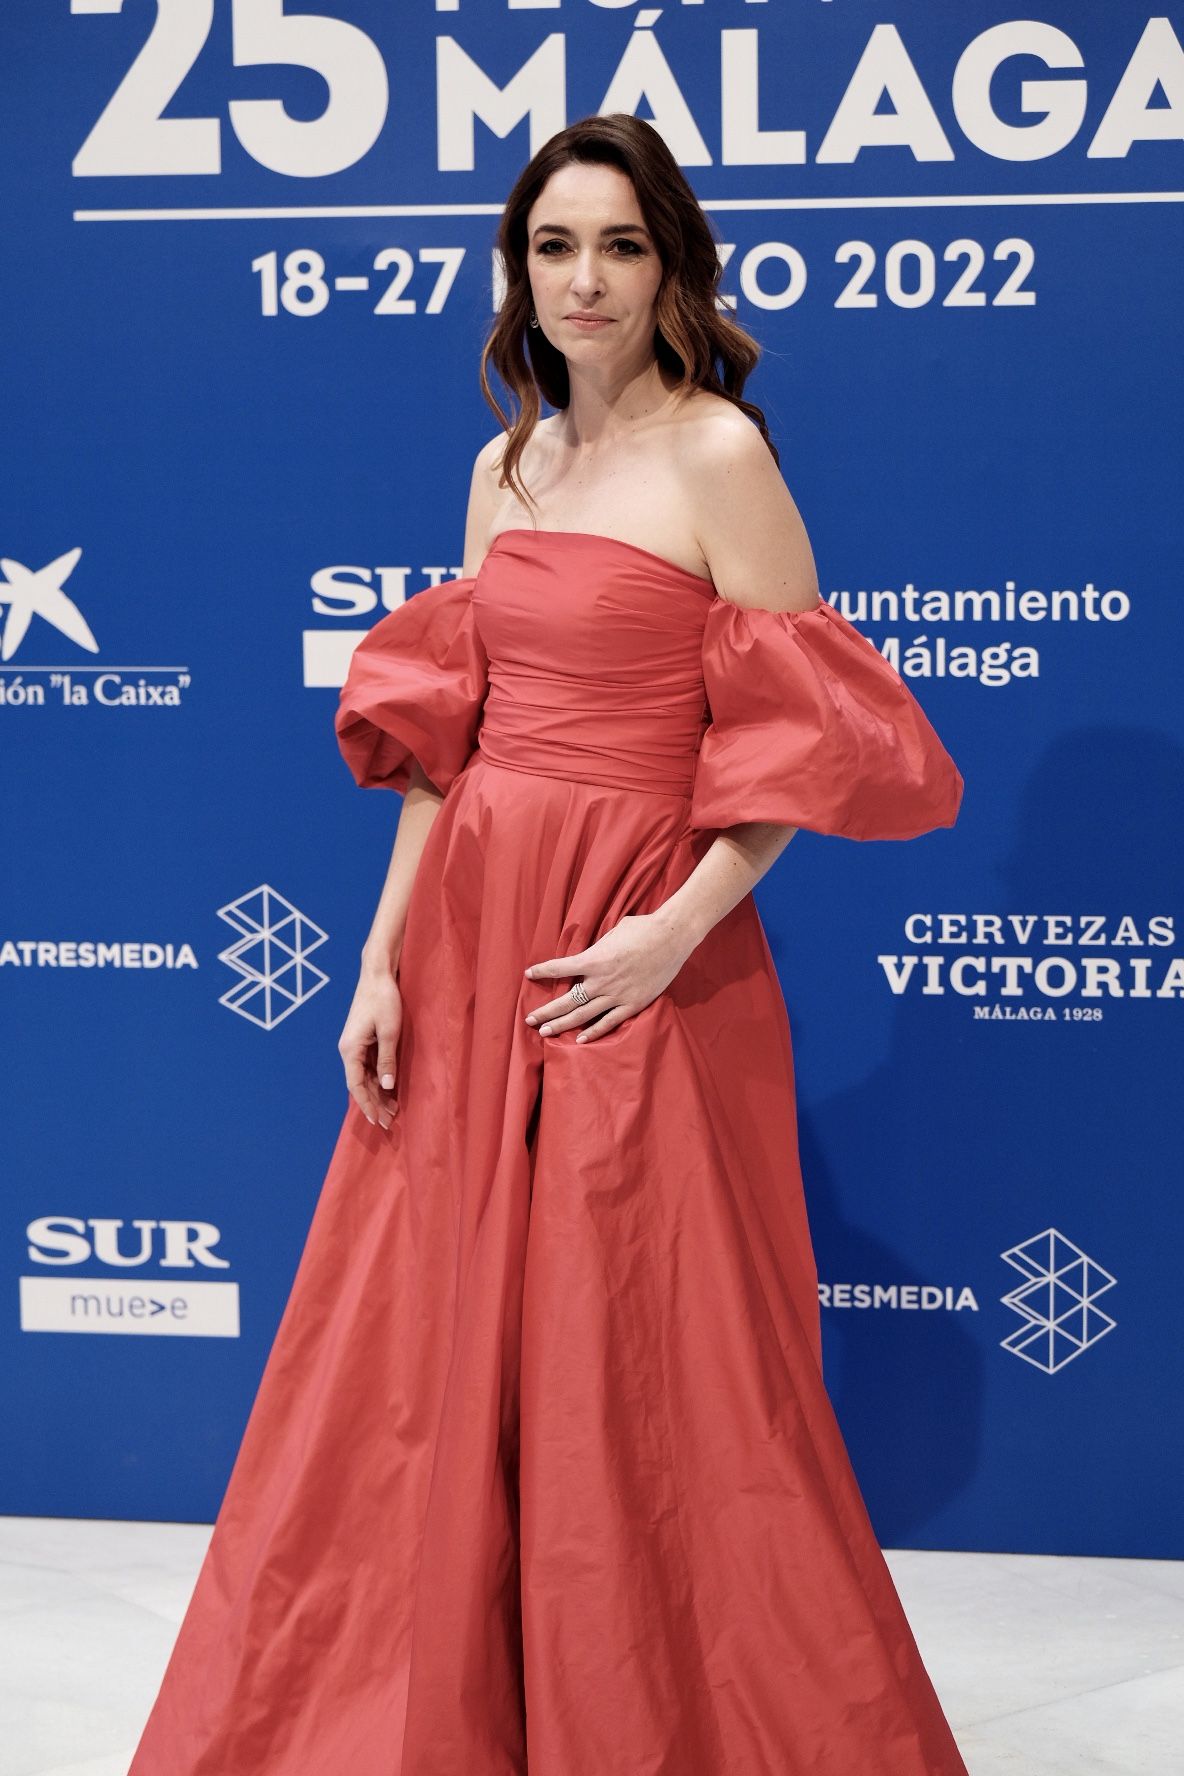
point(1020, 966)
point(39, 607)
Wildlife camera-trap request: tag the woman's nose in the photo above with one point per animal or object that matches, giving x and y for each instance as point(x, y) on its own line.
point(586, 279)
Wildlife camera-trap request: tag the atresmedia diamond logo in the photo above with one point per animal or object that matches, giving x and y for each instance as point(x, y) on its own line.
point(271, 956)
point(1058, 1301)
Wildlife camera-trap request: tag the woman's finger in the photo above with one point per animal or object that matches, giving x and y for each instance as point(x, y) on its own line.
point(608, 1022)
point(573, 964)
point(380, 1101)
point(361, 1099)
point(359, 1086)
point(563, 1004)
point(583, 1014)
point(559, 1007)
point(385, 1065)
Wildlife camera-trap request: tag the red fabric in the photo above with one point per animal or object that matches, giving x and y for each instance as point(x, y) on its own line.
point(811, 726)
point(542, 1477)
point(415, 687)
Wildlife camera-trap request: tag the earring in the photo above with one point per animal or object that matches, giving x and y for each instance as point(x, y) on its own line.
point(534, 319)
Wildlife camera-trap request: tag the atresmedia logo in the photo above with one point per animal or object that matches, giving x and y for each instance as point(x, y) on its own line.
point(271, 956)
point(1057, 1301)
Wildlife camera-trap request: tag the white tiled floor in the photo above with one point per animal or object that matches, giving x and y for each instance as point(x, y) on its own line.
point(1046, 1666)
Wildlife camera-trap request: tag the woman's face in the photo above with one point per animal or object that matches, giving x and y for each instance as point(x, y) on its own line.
point(589, 251)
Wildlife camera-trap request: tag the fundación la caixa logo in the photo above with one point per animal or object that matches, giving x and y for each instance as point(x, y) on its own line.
point(173, 1305)
point(39, 592)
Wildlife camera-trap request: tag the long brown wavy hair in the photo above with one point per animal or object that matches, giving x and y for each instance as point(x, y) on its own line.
point(693, 337)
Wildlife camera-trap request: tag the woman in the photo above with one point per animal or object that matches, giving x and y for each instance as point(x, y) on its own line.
point(542, 1473)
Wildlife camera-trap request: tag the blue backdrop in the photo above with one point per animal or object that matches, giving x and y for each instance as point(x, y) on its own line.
point(248, 268)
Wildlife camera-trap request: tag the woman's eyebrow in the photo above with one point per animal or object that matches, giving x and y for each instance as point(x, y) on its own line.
point(614, 228)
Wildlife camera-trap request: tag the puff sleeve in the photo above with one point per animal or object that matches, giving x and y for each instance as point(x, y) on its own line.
point(811, 726)
point(415, 688)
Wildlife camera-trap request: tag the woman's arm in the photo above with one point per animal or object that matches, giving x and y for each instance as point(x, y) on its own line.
point(371, 1032)
point(370, 1038)
point(635, 961)
point(735, 861)
point(421, 803)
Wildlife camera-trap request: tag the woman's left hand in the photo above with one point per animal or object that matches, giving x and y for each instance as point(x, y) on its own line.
point(622, 972)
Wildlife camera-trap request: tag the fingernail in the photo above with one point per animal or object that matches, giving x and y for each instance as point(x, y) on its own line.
point(531, 1017)
point(388, 1080)
point(545, 1030)
point(530, 974)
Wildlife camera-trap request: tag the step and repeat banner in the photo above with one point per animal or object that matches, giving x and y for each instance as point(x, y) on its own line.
point(247, 271)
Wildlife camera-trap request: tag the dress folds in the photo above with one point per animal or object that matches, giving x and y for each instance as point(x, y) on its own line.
point(542, 1477)
point(811, 726)
point(416, 685)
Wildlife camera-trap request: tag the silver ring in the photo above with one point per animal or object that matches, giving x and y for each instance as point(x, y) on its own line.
point(579, 993)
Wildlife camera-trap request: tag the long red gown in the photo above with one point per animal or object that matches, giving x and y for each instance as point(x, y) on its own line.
point(542, 1474)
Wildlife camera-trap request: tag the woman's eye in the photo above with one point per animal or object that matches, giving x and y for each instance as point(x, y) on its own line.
point(632, 250)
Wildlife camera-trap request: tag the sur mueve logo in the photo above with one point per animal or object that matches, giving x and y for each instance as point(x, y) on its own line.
point(344, 593)
point(169, 1304)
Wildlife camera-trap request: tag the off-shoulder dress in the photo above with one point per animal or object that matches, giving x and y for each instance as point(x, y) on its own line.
point(542, 1475)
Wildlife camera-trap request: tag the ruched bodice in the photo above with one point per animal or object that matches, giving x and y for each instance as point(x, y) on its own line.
point(595, 676)
point(578, 656)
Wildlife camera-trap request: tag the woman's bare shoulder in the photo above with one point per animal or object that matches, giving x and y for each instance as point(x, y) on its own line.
point(713, 423)
point(748, 525)
point(483, 502)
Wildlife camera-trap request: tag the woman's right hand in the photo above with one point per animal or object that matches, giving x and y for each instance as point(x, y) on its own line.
point(368, 1044)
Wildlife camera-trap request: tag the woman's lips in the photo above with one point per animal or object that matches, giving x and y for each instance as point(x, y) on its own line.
point(590, 323)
